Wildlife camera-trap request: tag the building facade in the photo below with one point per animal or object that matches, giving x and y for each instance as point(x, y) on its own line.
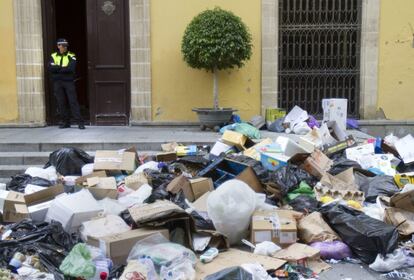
point(131, 69)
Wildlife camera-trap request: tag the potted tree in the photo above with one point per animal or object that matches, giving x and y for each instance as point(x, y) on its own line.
point(216, 40)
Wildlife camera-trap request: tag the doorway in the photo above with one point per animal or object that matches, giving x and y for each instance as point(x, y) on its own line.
point(98, 33)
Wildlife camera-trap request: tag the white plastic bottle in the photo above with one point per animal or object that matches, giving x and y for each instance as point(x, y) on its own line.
point(102, 269)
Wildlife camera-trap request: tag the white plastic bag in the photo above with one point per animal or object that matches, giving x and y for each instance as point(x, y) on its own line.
point(257, 271)
point(230, 207)
point(394, 260)
point(87, 169)
point(70, 180)
point(148, 165)
point(266, 248)
point(48, 173)
point(136, 197)
point(111, 206)
point(301, 128)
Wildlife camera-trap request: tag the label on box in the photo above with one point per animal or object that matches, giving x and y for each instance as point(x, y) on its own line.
point(260, 236)
point(287, 237)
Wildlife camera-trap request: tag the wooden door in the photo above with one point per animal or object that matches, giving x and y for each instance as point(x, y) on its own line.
point(108, 61)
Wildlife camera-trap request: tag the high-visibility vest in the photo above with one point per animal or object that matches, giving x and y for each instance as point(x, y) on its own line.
point(65, 58)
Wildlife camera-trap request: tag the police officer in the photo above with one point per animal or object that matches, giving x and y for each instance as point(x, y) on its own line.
point(62, 66)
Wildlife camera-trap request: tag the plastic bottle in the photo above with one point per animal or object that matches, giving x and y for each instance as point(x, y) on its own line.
point(102, 269)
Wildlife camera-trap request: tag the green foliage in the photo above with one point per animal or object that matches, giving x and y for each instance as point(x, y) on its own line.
point(216, 39)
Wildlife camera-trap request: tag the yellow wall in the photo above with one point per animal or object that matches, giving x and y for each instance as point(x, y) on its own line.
point(177, 88)
point(8, 87)
point(396, 61)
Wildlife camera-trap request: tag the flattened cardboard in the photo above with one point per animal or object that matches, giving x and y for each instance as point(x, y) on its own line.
point(103, 187)
point(343, 181)
point(297, 252)
point(403, 201)
point(153, 211)
point(234, 257)
point(115, 161)
point(118, 246)
point(201, 204)
point(239, 140)
point(181, 183)
point(249, 177)
point(15, 205)
point(135, 181)
point(316, 164)
point(278, 226)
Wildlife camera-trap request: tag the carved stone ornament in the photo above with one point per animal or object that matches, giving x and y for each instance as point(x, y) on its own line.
point(108, 7)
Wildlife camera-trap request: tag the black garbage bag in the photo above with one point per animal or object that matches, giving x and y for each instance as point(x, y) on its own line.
point(367, 237)
point(288, 178)
point(231, 273)
point(341, 164)
point(157, 179)
point(49, 241)
point(261, 172)
point(304, 204)
point(69, 161)
point(19, 182)
point(376, 186)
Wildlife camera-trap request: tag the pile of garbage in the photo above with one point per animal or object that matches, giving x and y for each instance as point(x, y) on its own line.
point(241, 209)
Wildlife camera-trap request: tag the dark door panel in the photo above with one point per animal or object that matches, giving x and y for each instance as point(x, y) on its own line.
point(108, 61)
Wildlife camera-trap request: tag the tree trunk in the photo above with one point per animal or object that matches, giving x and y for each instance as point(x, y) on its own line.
point(215, 88)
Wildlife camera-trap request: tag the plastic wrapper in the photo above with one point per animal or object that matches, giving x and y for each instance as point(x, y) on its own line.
point(390, 262)
point(18, 183)
point(111, 206)
point(231, 273)
point(367, 237)
point(230, 207)
point(153, 165)
point(136, 197)
point(161, 251)
point(277, 126)
point(47, 174)
point(288, 178)
point(304, 203)
point(376, 186)
point(78, 263)
point(69, 161)
point(336, 250)
point(87, 169)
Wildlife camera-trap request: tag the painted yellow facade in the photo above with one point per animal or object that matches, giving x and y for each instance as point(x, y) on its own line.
point(396, 60)
point(8, 85)
point(177, 88)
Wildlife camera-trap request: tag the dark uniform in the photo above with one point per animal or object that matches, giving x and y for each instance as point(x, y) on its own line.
point(62, 68)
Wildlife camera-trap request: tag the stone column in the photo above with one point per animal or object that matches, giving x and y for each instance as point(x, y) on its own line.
point(29, 62)
point(140, 60)
point(270, 28)
point(369, 58)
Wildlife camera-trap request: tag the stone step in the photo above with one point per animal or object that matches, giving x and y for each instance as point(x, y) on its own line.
point(37, 158)
point(91, 146)
point(6, 171)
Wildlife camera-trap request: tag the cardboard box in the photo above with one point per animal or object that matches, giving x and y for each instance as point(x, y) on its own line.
point(405, 148)
point(335, 109)
point(116, 161)
point(402, 219)
point(16, 204)
point(253, 152)
point(166, 157)
point(289, 147)
point(330, 149)
point(220, 147)
point(273, 162)
point(278, 226)
point(71, 210)
point(403, 200)
point(237, 139)
point(82, 180)
point(3, 197)
point(186, 150)
point(102, 187)
point(316, 164)
point(118, 246)
point(193, 188)
point(273, 114)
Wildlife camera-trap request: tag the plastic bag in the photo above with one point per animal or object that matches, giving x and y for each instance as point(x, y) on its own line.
point(304, 203)
point(312, 122)
point(47, 174)
point(111, 206)
point(136, 197)
point(69, 161)
point(304, 189)
point(243, 128)
point(179, 270)
point(153, 165)
point(161, 251)
point(230, 207)
point(336, 250)
point(341, 164)
point(87, 169)
point(366, 236)
point(78, 263)
point(277, 126)
point(18, 183)
point(287, 178)
point(301, 128)
point(266, 248)
point(231, 273)
point(391, 261)
point(376, 186)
